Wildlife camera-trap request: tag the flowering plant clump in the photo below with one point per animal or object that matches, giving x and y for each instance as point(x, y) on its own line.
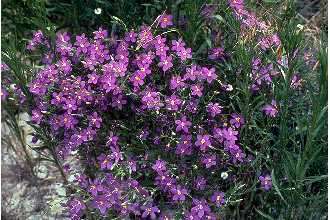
point(144, 117)
point(136, 105)
point(153, 128)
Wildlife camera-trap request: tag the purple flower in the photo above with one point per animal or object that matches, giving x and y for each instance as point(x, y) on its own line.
point(271, 110)
point(214, 109)
point(238, 155)
point(166, 20)
point(55, 122)
point(218, 198)
point(101, 203)
point(173, 103)
point(4, 94)
point(82, 44)
point(151, 100)
point(184, 54)
point(178, 45)
point(190, 216)
point(68, 121)
point(92, 78)
point(159, 166)
point(105, 161)
point(38, 39)
point(179, 193)
point(144, 69)
point(145, 59)
point(161, 50)
point(88, 133)
point(132, 165)
point(65, 66)
point(150, 210)
point(200, 208)
point(112, 140)
point(108, 82)
point(166, 216)
point(296, 81)
point(95, 187)
point(138, 79)
point(116, 155)
point(48, 58)
point(118, 101)
point(236, 4)
point(203, 142)
point(70, 105)
point(177, 83)
point(225, 135)
point(184, 146)
point(192, 105)
point(216, 53)
point(237, 120)
point(81, 179)
point(63, 45)
point(4, 67)
point(196, 90)
point(165, 63)
point(200, 183)
point(164, 181)
point(131, 36)
point(208, 74)
point(100, 34)
point(90, 63)
point(183, 124)
point(159, 41)
point(95, 120)
point(145, 37)
point(209, 160)
point(134, 208)
point(269, 41)
point(75, 207)
point(192, 73)
point(266, 182)
point(36, 116)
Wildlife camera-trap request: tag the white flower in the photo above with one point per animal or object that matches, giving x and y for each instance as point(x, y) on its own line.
point(98, 11)
point(224, 175)
point(229, 88)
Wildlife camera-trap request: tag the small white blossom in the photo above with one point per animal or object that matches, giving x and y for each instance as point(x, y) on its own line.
point(98, 11)
point(224, 175)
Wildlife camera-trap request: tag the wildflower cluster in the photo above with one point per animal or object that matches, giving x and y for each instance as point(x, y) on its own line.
point(94, 88)
point(145, 118)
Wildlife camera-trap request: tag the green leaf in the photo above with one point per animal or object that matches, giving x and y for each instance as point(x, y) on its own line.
point(276, 187)
point(219, 18)
point(264, 215)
